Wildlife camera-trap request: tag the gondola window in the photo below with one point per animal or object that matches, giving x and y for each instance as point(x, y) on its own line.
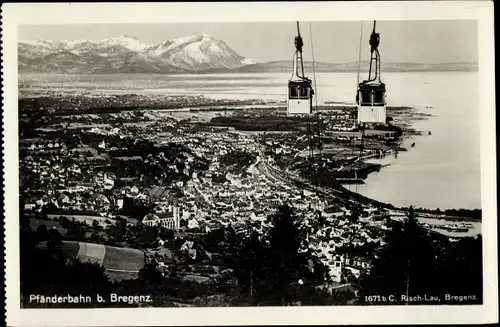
point(379, 97)
point(304, 93)
point(365, 97)
point(293, 92)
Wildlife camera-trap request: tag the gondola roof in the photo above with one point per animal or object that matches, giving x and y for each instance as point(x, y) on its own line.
point(371, 85)
point(300, 82)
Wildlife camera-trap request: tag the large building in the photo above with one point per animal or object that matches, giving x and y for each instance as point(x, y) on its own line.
point(336, 269)
point(169, 219)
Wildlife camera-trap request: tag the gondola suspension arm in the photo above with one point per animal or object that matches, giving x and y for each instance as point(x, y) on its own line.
point(375, 55)
point(299, 43)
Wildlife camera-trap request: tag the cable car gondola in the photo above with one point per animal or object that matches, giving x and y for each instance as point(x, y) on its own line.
point(371, 95)
point(300, 90)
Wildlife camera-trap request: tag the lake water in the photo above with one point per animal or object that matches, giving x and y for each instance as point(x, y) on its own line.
point(442, 170)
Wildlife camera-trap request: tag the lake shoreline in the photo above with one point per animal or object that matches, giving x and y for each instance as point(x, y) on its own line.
point(334, 89)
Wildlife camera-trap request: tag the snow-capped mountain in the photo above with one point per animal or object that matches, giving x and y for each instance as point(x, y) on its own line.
point(127, 54)
point(198, 52)
point(128, 42)
point(36, 48)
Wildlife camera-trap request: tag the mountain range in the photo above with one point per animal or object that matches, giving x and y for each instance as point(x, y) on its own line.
point(189, 54)
point(283, 66)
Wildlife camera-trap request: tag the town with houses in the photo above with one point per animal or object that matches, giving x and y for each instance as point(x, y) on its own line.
point(91, 169)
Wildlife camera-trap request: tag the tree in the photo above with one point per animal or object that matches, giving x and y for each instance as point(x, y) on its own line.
point(166, 234)
point(24, 220)
point(96, 226)
point(354, 217)
point(213, 238)
point(230, 235)
point(274, 267)
point(95, 237)
point(248, 266)
point(46, 271)
point(85, 278)
point(173, 272)
point(283, 259)
point(64, 222)
point(150, 274)
point(42, 233)
point(460, 268)
point(321, 220)
point(76, 231)
point(146, 236)
point(54, 239)
point(50, 208)
point(407, 265)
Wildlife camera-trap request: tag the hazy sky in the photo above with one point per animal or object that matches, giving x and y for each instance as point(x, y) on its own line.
point(401, 41)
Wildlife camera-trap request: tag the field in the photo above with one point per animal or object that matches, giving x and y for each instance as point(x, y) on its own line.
point(123, 258)
point(71, 249)
point(120, 263)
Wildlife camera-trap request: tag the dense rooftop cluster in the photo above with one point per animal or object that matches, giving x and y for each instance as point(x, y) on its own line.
point(139, 173)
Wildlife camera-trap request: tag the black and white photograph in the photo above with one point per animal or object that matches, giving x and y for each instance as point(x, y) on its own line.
point(290, 163)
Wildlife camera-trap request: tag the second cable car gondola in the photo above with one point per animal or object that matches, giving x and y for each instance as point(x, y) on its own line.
point(371, 96)
point(300, 90)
